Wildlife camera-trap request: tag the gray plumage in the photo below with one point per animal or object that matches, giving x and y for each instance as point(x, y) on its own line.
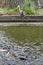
point(22, 13)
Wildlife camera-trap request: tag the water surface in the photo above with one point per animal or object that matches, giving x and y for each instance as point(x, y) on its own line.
point(23, 45)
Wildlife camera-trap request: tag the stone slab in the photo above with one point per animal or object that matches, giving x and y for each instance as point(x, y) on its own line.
point(18, 18)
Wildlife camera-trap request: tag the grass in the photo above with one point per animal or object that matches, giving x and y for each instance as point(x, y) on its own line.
point(3, 11)
point(40, 11)
point(13, 11)
point(16, 11)
point(8, 12)
point(24, 34)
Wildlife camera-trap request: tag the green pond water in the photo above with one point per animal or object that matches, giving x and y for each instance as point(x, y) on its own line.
point(24, 34)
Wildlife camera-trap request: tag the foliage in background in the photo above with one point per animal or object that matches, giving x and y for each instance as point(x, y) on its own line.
point(29, 7)
point(13, 11)
point(40, 11)
point(3, 11)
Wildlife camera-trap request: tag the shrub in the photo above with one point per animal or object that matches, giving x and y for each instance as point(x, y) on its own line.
point(27, 7)
point(3, 11)
point(29, 11)
point(13, 11)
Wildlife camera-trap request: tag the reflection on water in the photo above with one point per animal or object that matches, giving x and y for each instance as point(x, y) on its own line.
point(13, 54)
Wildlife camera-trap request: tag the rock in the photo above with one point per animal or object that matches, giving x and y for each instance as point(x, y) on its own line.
point(3, 50)
point(21, 58)
point(26, 44)
point(9, 64)
point(34, 57)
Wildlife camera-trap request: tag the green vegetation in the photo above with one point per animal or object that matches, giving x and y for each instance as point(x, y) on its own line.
point(3, 11)
point(40, 11)
point(24, 34)
point(9, 12)
point(26, 7)
point(29, 11)
point(13, 11)
point(29, 7)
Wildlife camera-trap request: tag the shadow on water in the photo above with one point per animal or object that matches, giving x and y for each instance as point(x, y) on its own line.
point(30, 53)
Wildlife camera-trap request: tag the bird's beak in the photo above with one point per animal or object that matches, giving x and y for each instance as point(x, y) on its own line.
point(18, 6)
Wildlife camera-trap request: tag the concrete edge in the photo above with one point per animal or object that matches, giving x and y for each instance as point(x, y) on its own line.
point(16, 18)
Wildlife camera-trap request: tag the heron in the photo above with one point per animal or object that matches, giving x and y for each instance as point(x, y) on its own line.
point(22, 13)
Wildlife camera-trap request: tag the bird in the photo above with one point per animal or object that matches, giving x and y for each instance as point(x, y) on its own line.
point(22, 13)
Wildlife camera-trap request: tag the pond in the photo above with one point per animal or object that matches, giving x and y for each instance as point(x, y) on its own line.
point(21, 45)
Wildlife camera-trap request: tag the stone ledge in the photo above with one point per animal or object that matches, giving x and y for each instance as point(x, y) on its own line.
point(16, 18)
point(21, 24)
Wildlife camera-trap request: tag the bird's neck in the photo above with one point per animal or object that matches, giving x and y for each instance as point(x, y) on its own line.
point(19, 9)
